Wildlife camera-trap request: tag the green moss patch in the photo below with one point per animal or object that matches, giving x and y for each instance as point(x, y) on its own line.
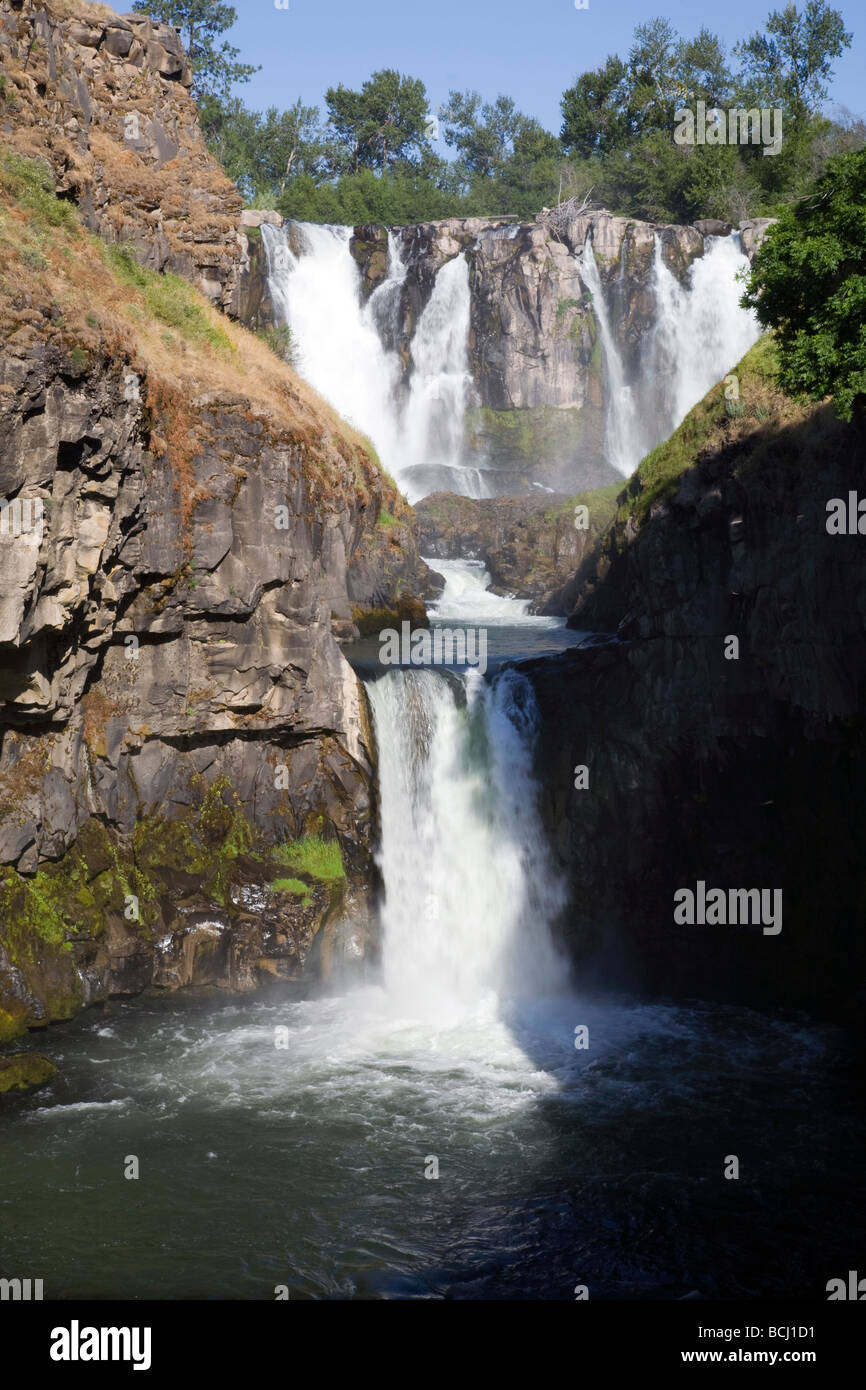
point(313, 856)
point(296, 887)
point(201, 852)
point(24, 1071)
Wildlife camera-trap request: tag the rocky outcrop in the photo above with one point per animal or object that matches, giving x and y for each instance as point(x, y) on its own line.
point(105, 100)
point(173, 697)
point(25, 1071)
point(720, 721)
point(185, 532)
point(536, 358)
point(530, 546)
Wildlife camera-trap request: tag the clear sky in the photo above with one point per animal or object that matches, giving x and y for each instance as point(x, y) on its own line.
point(530, 49)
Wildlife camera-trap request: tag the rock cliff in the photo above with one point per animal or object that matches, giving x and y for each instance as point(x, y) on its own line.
point(739, 764)
point(530, 546)
point(535, 353)
point(105, 99)
point(186, 532)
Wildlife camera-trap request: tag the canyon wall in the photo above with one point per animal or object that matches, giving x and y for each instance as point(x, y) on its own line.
point(741, 766)
point(187, 534)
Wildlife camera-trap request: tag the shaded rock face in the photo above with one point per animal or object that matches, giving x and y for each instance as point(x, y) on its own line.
point(530, 546)
point(169, 660)
point(106, 101)
point(742, 773)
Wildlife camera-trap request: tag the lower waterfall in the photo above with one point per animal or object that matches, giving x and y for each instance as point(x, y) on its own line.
point(465, 1123)
point(469, 886)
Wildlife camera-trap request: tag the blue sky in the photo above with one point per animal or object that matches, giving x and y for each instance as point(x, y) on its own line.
point(530, 49)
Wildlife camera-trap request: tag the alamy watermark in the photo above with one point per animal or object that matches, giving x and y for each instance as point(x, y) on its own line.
point(438, 646)
point(735, 127)
point(732, 907)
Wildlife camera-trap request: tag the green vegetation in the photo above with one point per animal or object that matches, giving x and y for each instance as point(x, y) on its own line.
point(600, 502)
point(169, 299)
point(296, 887)
point(618, 120)
point(202, 851)
point(313, 856)
point(808, 283)
point(24, 1071)
point(31, 183)
point(386, 518)
point(659, 474)
point(524, 436)
point(280, 341)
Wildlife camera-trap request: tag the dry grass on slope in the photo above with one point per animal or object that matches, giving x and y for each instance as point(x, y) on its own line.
point(60, 283)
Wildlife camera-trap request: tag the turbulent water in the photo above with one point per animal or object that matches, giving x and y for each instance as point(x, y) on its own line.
point(314, 1165)
point(348, 352)
point(699, 332)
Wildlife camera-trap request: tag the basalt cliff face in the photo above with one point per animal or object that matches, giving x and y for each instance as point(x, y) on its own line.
point(187, 533)
point(530, 546)
point(719, 722)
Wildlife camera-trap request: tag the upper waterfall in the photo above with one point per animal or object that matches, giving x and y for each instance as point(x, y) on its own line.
point(698, 332)
point(469, 353)
point(347, 352)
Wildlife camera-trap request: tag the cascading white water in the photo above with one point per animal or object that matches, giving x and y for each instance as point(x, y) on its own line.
point(340, 350)
point(699, 333)
point(439, 390)
point(700, 330)
point(347, 352)
point(469, 886)
point(624, 433)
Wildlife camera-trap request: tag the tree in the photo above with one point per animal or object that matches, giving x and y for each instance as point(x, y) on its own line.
point(200, 24)
point(261, 152)
point(791, 63)
point(808, 282)
point(595, 116)
point(655, 89)
point(701, 70)
point(381, 126)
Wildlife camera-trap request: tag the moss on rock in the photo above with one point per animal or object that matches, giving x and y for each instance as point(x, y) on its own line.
point(25, 1071)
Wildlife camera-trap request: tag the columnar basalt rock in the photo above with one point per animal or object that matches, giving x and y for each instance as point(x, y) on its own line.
point(186, 533)
point(172, 630)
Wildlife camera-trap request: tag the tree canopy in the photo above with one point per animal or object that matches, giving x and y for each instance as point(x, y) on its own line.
point(374, 152)
point(808, 282)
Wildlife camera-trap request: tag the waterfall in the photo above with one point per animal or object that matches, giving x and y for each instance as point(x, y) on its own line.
point(623, 432)
point(469, 885)
point(699, 332)
point(348, 351)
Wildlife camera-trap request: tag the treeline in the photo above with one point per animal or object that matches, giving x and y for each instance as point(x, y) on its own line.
point(370, 155)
